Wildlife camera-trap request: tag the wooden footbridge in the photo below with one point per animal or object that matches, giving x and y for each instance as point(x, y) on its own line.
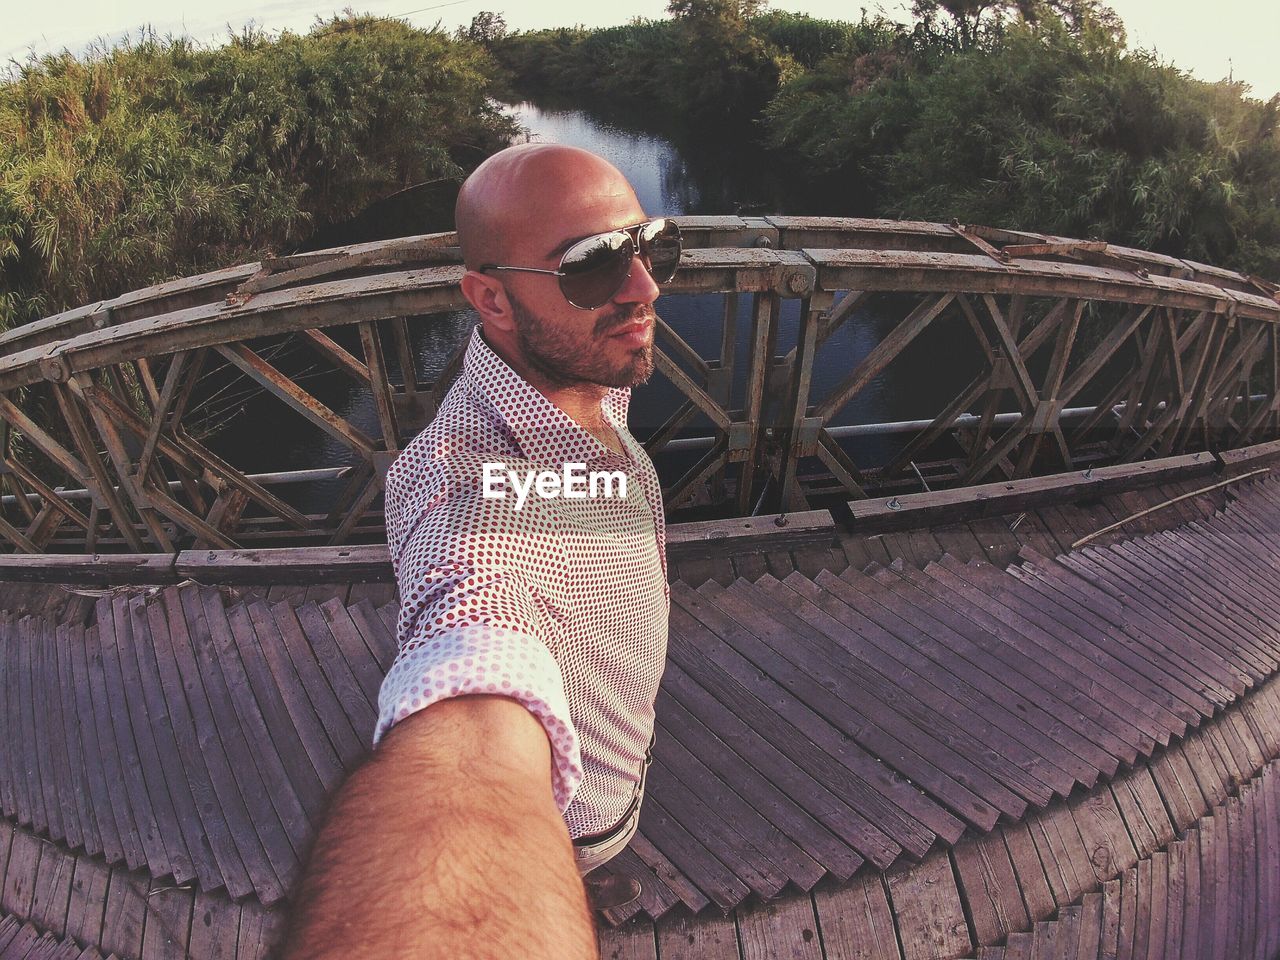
point(1009, 690)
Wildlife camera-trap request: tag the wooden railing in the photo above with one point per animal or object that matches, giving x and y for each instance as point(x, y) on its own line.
point(97, 404)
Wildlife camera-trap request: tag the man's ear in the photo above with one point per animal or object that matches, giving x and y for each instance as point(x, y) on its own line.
point(489, 298)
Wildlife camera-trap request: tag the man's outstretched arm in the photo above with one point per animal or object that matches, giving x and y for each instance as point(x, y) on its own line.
point(446, 843)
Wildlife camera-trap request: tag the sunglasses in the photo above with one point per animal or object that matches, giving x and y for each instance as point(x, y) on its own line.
point(593, 270)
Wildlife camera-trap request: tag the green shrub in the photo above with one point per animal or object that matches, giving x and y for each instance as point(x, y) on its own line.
point(161, 158)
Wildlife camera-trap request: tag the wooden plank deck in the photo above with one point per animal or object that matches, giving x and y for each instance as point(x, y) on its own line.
point(924, 758)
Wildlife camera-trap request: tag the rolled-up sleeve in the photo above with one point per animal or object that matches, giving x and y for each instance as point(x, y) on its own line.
point(470, 624)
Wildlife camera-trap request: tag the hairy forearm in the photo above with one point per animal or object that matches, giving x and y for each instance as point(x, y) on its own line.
point(426, 853)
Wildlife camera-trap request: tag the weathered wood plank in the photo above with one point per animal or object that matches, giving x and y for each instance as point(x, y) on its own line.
point(1191, 901)
point(23, 943)
point(87, 901)
point(1225, 918)
point(183, 674)
point(108, 757)
point(263, 651)
point(1108, 942)
point(1158, 877)
point(1066, 866)
point(168, 924)
point(231, 676)
point(360, 657)
point(940, 767)
point(935, 636)
point(285, 565)
point(1014, 496)
point(700, 820)
point(1175, 899)
point(380, 641)
point(1039, 654)
point(88, 569)
point(12, 781)
point(1045, 703)
point(219, 857)
point(51, 893)
point(1158, 661)
point(1171, 792)
point(733, 683)
point(91, 796)
point(7, 831)
point(690, 856)
point(739, 535)
point(27, 747)
point(147, 774)
point(267, 824)
point(1089, 938)
point(1111, 654)
point(667, 872)
point(846, 699)
point(856, 920)
point(926, 904)
point(58, 674)
point(351, 745)
point(1213, 784)
point(1030, 872)
point(361, 713)
point(682, 936)
point(8, 930)
point(1031, 615)
point(262, 931)
point(1181, 767)
point(146, 681)
point(656, 896)
point(1126, 939)
point(990, 888)
point(1217, 743)
point(1269, 850)
point(125, 914)
point(43, 684)
point(780, 928)
point(771, 764)
point(630, 941)
point(1067, 934)
point(1107, 842)
point(215, 927)
point(1240, 895)
point(723, 803)
point(1143, 812)
point(1019, 947)
point(293, 752)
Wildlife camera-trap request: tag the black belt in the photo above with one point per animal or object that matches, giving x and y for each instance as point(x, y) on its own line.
point(593, 839)
point(612, 832)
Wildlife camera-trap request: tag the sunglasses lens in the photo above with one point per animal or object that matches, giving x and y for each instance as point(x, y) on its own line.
point(595, 269)
point(660, 246)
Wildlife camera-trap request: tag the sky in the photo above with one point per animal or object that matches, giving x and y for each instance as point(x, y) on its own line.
point(1212, 41)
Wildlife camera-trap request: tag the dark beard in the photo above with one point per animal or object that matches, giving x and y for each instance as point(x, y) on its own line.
point(565, 361)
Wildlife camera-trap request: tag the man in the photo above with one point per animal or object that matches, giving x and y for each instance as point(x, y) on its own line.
point(515, 723)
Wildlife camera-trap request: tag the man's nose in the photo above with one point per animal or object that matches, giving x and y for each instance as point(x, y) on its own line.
point(640, 287)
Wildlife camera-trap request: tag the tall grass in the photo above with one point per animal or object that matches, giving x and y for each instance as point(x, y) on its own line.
point(159, 158)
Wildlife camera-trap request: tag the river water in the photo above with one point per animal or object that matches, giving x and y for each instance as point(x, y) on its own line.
point(727, 179)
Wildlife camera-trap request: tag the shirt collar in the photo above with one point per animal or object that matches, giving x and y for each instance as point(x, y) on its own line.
point(544, 432)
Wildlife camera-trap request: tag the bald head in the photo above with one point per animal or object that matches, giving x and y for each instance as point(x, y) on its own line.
point(527, 195)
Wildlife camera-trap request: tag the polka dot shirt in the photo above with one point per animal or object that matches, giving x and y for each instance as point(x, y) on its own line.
point(561, 605)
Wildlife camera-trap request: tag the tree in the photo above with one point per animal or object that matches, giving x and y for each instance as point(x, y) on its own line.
point(974, 21)
point(487, 29)
point(732, 73)
point(724, 11)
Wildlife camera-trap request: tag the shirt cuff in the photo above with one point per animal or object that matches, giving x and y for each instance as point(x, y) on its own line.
point(482, 659)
